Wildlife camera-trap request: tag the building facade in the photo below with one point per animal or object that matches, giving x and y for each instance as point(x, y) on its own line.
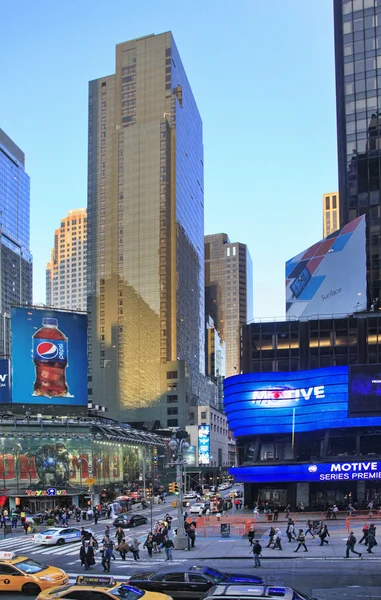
point(215, 358)
point(15, 259)
point(66, 273)
point(358, 61)
point(331, 213)
point(305, 411)
point(145, 238)
point(228, 292)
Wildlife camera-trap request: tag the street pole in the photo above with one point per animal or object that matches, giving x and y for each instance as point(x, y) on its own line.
point(178, 445)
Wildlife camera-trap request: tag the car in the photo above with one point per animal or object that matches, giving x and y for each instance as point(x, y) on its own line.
point(190, 495)
point(250, 592)
point(58, 536)
point(195, 508)
point(22, 574)
point(187, 583)
point(95, 586)
point(130, 521)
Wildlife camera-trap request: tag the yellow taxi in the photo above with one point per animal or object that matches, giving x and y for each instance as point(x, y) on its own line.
point(22, 574)
point(93, 587)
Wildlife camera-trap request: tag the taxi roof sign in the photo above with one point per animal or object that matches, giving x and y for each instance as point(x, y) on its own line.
point(7, 555)
point(100, 580)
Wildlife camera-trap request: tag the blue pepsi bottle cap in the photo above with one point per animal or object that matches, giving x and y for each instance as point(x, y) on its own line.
point(51, 322)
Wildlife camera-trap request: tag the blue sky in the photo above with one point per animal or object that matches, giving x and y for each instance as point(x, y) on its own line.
point(262, 74)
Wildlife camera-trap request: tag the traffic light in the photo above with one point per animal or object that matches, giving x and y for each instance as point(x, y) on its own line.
point(171, 487)
point(177, 488)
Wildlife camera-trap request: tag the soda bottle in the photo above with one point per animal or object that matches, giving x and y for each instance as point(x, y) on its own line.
point(50, 359)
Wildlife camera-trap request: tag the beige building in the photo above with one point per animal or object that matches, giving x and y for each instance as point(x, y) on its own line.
point(66, 281)
point(145, 238)
point(331, 213)
point(222, 449)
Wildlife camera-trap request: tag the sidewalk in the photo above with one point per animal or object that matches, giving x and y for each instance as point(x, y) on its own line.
point(236, 547)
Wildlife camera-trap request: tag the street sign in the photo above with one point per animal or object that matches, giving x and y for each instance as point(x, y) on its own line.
point(90, 481)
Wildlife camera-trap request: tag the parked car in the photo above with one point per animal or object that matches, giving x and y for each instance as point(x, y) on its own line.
point(195, 508)
point(189, 583)
point(189, 495)
point(57, 535)
point(130, 521)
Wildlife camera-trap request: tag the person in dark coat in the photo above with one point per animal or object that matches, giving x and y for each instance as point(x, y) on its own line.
point(251, 535)
point(350, 544)
point(86, 555)
point(324, 533)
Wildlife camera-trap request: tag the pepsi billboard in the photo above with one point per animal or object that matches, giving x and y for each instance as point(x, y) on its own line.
point(5, 381)
point(260, 403)
point(326, 472)
point(49, 357)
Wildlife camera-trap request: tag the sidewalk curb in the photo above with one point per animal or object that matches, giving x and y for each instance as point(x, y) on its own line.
point(284, 558)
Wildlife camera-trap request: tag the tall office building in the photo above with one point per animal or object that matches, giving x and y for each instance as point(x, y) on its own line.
point(66, 277)
point(358, 97)
point(228, 292)
point(15, 257)
point(145, 238)
point(331, 213)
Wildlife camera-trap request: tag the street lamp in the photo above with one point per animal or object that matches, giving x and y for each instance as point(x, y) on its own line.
point(178, 445)
point(90, 470)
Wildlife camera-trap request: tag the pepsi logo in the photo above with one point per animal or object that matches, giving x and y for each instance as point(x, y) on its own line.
point(47, 350)
point(312, 468)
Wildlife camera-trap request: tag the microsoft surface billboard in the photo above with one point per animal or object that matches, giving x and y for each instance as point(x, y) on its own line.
point(329, 277)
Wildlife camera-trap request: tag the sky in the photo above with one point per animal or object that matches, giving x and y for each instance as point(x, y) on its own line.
point(263, 77)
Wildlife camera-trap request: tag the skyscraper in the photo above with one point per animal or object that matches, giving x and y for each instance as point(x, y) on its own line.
point(145, 237)
point(66, 280)
point(358, 84)
point(15, 257)
point(331, 213)
point(228, 292)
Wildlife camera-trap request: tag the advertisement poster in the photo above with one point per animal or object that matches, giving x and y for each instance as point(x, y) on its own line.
point(317, 281)
point(5, 381)
point(365, 390)
point(49, 357)
point(204, 445)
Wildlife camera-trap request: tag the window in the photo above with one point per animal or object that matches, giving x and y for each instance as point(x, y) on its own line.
point(179, 577)
point(172, 411)
point(327, 203)
point(334, 203)
point(172, 423)
point(203, 415)
point(172, 375)
point(172, 399)
point(197, 578)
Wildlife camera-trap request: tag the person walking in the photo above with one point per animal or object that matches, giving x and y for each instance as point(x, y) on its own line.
point(335, 512)
point(350, 545)
point(191, 536)
point(149, 544)
point(168, 547)
point(371, 538)
point(86, 555)
point(135, 549)
point(301, 539)
point(256, 550)
point(364, 538)
point(310, 529)
point(290, 531)
point(25, 525)
point(324, 533)
point(276, 514)
point(119, 535)
point(271, 537)
point(251, 535)
point(278, 539)
point(96, 516)
point(106, 554)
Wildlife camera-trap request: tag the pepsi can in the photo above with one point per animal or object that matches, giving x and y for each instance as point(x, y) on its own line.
point(50, 359)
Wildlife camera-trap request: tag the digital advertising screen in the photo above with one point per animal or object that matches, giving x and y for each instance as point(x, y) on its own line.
point(204, 444)
point(5, 381)
point(317, 281)
point(364, 397)
point(260, 403)
point(49, 357)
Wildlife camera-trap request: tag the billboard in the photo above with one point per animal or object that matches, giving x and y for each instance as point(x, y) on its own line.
point(204, 445)
point(5, 381)
point(49, 357)
point(364, 396)
point(318, 281)
point(326, 472)
point(260, 403)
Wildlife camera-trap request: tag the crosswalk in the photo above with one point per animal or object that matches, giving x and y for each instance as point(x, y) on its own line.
point(22, 545)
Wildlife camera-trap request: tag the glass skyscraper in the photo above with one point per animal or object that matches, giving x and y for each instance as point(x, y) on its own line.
point(146, 238)
point(358, 96)
point(15, 259)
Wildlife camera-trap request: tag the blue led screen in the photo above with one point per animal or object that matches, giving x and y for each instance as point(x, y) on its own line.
point(260, 403)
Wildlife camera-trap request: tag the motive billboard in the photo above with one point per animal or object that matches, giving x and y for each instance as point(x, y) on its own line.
point(204, 444)
point(5, 381)
point(259, 403)
point(49, 357)
point(364, 396)
point(327, 472)
point(317, 279)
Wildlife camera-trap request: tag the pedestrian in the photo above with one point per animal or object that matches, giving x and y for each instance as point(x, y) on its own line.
point(350, 544)
point(96, 516)
point(14, 521)
point(149, 544)
point(371, 538)
point(301, 539)
point(256, 550)
point(25, 525)
point(135, 549)
point(251, 535)
point(287, 510)
point(276, 513)
point(364, 538)
point(106, 554)
point(86, 555)
point(191, 537)
point(271, 537)
point(278, 539)
point(290, 531)
point(335, 512)
point(123, 548)
point(309, 529)
point(324, 533)
point(119, 535)
point(168, 547)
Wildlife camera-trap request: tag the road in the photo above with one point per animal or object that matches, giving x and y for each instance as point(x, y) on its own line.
point(324, 579)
